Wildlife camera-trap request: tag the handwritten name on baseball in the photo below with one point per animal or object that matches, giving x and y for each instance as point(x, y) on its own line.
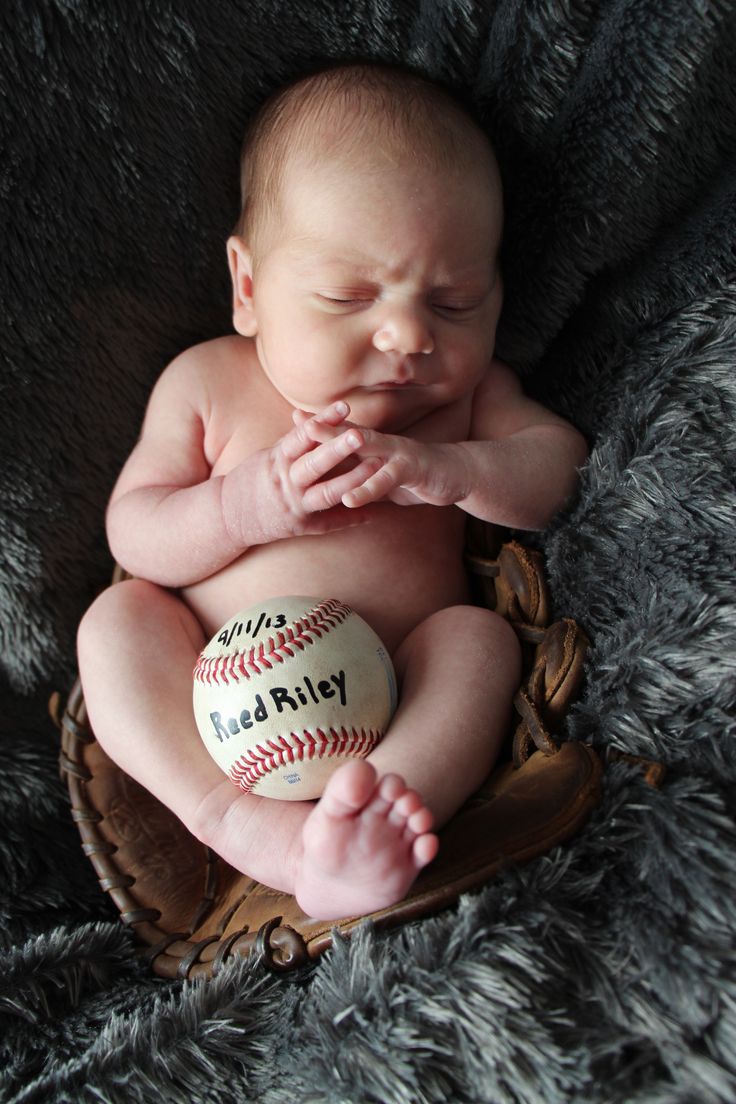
point(281, 699)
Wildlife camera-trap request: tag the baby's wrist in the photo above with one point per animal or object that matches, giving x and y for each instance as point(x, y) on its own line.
point(257, 507)
point(243, 504)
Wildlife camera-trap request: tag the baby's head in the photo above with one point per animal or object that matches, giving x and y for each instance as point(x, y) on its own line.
point(375, 116)
point(371, 201)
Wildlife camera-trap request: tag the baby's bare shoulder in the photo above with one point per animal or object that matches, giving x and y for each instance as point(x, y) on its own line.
point(203, 375)
point(500, 383)
point(220, 356)
point(501, 408)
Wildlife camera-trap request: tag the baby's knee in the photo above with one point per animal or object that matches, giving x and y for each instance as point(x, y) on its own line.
point(495, 636)
point(476, 623)
point(474, 636)
point(114, 614)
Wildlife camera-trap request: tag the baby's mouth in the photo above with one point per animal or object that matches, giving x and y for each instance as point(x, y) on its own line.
point(394, 385)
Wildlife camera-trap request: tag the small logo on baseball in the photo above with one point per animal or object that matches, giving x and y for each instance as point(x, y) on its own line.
point(294, 682)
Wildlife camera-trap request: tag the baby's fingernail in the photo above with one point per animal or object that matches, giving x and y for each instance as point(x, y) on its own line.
point(353, 440)
point(341, 408)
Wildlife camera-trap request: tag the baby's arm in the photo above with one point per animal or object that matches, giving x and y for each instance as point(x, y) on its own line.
point(522, 460)
point(173, 523)
point(519, 467)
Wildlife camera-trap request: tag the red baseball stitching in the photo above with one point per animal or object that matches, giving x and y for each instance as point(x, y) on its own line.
point(260, 760)
point(219, 670)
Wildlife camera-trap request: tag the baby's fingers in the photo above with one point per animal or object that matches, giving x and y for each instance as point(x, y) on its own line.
point(314, 465)
point(299, 440)
point(331, 415)
point(332, 492)
point(379, 485)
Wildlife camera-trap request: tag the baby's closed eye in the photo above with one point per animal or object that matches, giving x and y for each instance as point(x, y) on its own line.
point(338, 300)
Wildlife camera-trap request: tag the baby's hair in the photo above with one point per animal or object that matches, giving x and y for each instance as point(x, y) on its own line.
point(345, 110)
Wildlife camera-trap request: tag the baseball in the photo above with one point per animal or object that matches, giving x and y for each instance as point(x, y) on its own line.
point(290, 689)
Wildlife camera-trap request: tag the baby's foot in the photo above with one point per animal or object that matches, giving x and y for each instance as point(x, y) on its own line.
point(364, 844)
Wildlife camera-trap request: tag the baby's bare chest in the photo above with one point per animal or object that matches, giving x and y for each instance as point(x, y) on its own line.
point(395, 570)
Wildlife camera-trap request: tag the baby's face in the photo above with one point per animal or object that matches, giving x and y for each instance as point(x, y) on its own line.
point(381, 288)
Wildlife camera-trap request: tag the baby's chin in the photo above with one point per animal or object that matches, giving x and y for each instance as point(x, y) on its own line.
point(390, 411)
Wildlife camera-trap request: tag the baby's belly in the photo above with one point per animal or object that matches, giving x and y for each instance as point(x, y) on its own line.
point(395, 571)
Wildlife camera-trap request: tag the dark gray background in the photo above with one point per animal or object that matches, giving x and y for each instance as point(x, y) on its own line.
point(603, 972)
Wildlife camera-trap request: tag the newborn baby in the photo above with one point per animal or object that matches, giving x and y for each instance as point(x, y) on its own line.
point(334, 446)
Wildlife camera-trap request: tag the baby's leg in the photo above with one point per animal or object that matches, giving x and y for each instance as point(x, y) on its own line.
point(369, 835)
point(362, 845)
point(138, 645)
point(458, 672)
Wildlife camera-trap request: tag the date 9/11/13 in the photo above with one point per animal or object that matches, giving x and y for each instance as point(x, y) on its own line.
point(251, 627)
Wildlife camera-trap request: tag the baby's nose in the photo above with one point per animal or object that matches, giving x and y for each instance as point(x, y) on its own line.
point(405, 332)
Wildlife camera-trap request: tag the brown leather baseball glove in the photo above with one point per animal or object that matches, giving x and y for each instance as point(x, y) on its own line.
point(191, 911)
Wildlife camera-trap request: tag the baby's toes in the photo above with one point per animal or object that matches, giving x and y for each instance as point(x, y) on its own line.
point(383, 803)
point(405, 806)
point(424, 849)
point(391, 788)
point(349, 790)
point(420, 821)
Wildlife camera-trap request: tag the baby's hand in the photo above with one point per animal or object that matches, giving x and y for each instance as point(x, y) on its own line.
point(406, 471)
point(303, 480)
point(410, 472)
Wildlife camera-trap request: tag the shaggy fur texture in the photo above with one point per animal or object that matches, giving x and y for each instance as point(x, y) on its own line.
point(603, 972)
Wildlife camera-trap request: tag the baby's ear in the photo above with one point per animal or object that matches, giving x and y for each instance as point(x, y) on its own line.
point(240, 261)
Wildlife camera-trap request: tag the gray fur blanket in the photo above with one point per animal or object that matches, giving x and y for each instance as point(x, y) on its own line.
point(605, 971)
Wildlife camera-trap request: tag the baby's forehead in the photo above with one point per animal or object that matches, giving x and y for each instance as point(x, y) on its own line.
point(367, 165)
point(357, 178)
point(381, 225)
point(312, 261)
